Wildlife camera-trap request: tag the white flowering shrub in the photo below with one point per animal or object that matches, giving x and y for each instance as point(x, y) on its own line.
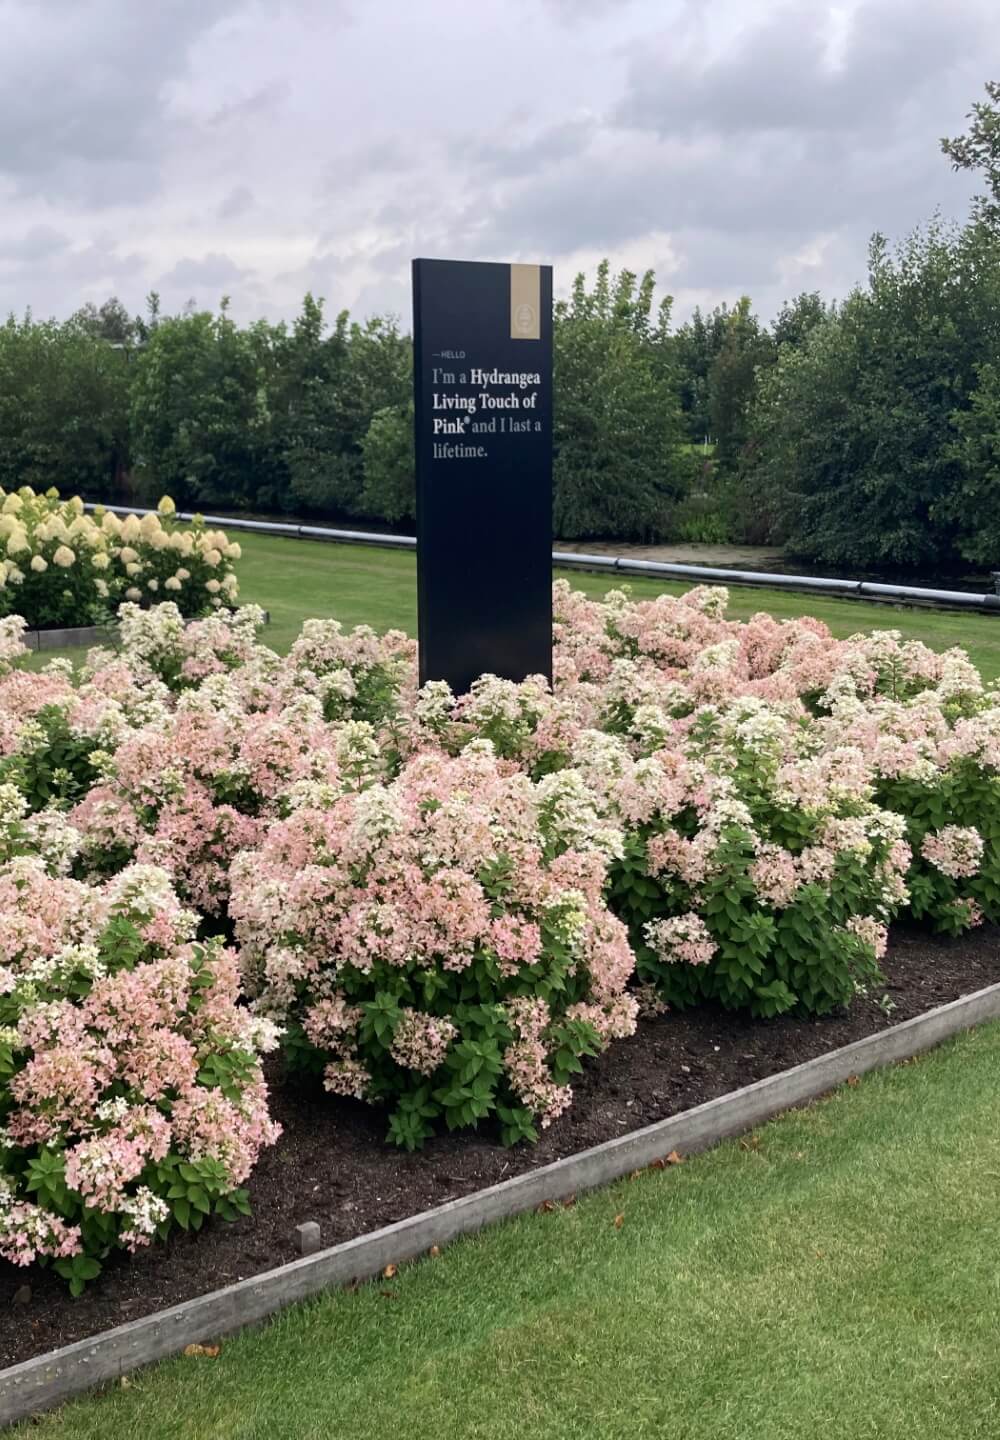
point(60, 566)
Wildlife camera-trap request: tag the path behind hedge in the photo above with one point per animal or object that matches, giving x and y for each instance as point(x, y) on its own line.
point(838, 1275)
point(295, 579)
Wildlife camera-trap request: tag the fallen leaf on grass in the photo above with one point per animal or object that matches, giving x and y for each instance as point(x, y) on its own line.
point(750, 1142)
point(619, 1221)
point(675, 1158)
point(569, 1202)
point(208, 1351)
point(658, 1165)
point(546, 1207)
point(635, 1174)
point(390, 1294)
point(389, 1272)
point(854, 1080)
point(434, 1251)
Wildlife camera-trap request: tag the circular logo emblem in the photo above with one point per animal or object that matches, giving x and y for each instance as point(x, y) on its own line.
point(524, 318)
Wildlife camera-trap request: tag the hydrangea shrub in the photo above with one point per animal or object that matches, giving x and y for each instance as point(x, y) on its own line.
point(60, 565)
point(439, 944)
point(443, 898)
point(131, 1092)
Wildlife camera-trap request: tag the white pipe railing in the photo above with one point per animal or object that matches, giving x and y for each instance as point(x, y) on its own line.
point(621, 564)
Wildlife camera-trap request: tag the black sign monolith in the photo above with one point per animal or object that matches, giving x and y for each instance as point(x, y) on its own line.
point(482, 384)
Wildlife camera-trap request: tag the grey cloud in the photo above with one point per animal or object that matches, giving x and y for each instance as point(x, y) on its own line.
point(57, 280)
point(743, 159)
point(391, 258)
point(209, 270)
point(781, 77)
point(262, 101)
point(554, 145)
point(388, 155)
point(743, 144)
point(85, 118)
point(94, 262)
point(391, 215)
point(734, 216)
point(571, 12)
point(41, 242)
point(239, 200)
point(600, 206)
point(387, 298)
point(319, 275)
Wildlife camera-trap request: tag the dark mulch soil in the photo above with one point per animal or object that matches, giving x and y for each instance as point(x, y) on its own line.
point(332, 1164)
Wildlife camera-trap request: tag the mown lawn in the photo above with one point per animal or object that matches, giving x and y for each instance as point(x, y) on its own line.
point(835, 1276)
point(359, 584)
point(295, 579)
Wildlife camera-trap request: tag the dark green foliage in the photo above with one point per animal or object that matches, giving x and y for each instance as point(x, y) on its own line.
point(856, 456)
point(798, 318)
point(966, 797)
point(57, 768)
point(873, 439)
point(619, 469)
point(367, 370)
point(732, 380)
point(389, 489)
point(200, 416)
point(974, 505)
point(766, 961)
point(63, 406)
point(695, 347)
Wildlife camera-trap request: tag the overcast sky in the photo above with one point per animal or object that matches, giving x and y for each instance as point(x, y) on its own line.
point(260, 148)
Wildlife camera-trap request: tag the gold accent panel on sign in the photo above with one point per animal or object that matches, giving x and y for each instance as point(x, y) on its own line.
point(525, 302)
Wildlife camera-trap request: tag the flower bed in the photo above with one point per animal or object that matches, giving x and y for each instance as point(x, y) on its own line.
point(332, 1166)
point(450, 906)
point(60, 567)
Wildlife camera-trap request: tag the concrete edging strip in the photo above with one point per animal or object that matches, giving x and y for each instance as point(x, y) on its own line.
point(47, 1380)
point(80, 635)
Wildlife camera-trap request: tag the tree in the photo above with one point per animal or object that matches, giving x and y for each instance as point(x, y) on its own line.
point(387, 449)
point(732, 380)
point(63, 407)
point(695, 347)
point(111, 323)
point(975, 504)
point(980, 150)
point(798, 318)
point(618, 466)
point(306, 428)
point(854, 437)
point(370, 370)
point(200, 412)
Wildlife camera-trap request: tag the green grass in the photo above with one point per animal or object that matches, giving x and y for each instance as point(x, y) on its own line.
point(839, 1277)
point(358, 584)
point(295, 579)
